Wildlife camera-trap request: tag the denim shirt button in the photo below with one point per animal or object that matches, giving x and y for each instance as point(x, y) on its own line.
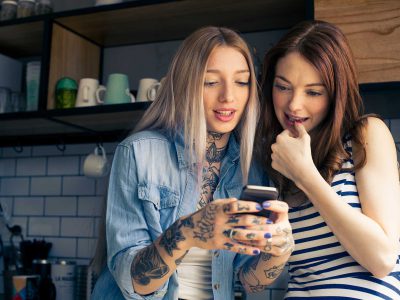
point(141, 194)
point(216, 286)
point(216, 253)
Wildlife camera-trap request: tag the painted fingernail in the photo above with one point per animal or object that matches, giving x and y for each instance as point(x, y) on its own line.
point(268, 235)
point(266, 204)
point(269, 222)
point(256, 251)
point(258, 207)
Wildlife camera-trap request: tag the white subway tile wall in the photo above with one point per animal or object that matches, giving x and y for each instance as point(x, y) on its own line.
point(42, 189)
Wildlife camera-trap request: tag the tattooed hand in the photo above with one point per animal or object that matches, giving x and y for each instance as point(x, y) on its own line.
point(225, 224)
point(278, 238)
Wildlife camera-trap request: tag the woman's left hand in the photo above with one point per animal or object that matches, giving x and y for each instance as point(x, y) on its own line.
point(291, 153)
point(280, 241)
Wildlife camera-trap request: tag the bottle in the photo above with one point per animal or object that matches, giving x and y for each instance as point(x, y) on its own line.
point(32, 85)
point(47, 289)
point(8, 10)
point(43, 7)
point(26, 8)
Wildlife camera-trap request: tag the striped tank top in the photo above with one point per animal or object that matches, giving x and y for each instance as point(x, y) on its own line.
point(320, 268)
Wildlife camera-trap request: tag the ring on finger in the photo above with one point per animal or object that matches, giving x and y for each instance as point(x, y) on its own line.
point(231, 233)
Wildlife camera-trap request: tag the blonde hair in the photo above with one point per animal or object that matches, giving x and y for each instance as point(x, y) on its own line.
point(179, 104)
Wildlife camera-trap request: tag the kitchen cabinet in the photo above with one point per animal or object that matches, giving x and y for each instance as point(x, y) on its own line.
point(372, 28)
point(72, 43)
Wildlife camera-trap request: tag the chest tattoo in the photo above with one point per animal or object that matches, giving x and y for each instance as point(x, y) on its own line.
point(211, 168)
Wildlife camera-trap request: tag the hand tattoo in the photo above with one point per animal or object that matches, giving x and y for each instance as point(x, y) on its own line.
point(205, 227)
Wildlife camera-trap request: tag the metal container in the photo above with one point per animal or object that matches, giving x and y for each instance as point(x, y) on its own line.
point(63, 275)
point(26, 8)
point(8, 10)
point(43, 267)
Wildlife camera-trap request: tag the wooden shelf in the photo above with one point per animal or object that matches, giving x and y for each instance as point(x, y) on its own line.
point(103, 123)
point(138, 22)
point(21, 39)
point(71, 44)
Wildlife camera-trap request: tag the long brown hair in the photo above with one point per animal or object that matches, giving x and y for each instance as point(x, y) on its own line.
point(180, 100)
point(326, 48)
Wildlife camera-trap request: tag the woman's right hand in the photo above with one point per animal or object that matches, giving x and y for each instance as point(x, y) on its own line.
point(221, 223)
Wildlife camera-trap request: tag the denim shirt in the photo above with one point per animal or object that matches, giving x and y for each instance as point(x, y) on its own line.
point(151, 186)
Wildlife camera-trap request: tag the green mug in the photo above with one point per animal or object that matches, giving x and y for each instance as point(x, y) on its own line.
point(66, 89)
point(116, 91)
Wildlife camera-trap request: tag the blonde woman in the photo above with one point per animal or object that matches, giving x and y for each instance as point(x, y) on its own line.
point(174, 223)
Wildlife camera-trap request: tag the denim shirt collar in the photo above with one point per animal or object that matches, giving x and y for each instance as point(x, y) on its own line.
point(179, 140)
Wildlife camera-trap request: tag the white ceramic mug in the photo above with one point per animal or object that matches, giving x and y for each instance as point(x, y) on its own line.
point(96, 164)
point(107, 2)
point(147, 90)
point(87, 92)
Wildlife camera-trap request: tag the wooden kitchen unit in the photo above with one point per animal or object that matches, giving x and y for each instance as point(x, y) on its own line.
point(373, 30)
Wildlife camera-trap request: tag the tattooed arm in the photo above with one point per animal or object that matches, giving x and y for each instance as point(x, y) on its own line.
point(153, 265)
point(212, 227)
point(259, 272)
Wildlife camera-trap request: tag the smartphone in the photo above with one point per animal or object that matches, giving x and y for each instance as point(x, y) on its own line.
point(259, 194)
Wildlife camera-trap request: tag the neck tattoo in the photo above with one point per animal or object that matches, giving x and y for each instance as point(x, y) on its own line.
point(211, 168)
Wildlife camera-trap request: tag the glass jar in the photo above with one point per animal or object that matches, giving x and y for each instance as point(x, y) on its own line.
point(8, 10)
point(43, 7)
point(26, 8)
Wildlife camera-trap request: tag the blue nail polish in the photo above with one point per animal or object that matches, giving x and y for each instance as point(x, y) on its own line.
point(256, 251)
point(269, 222)
point(258, 207)
point(266, 204)
point(268, 235)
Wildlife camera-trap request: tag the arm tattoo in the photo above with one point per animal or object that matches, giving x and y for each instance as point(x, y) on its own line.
point(171, 237)
point(249, 277)
point(274, 272)
point(147, 265)
point(249, 273)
